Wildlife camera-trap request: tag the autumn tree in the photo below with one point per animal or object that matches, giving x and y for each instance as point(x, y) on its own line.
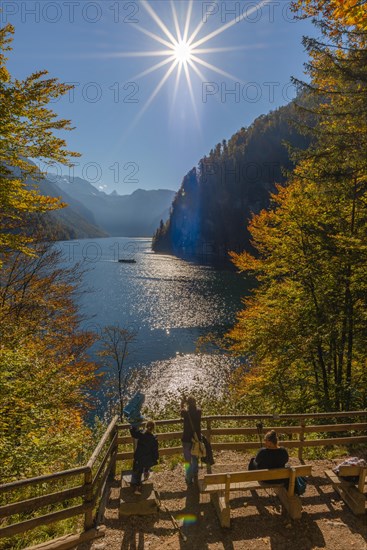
point(123, 379)
point(338, 14)
point(304, 330)
point(27, 127)
point(45, 370)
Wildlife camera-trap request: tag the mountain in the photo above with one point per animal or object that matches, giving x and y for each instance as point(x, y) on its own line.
point(91, 213)
point(210, 212)
point(72, 222)
point(135, 215)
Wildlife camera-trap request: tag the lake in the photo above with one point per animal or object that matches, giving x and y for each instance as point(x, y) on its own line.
point(169, 302)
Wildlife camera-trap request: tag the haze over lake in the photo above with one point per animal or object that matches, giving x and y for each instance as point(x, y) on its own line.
point(168, 301)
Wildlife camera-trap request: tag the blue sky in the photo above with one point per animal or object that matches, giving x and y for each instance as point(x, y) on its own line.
point(124, 143)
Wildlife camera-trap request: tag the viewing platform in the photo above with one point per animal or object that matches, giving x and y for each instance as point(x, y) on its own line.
point(256, 516)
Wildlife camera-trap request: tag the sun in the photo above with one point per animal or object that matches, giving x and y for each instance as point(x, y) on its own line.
point(182, 52)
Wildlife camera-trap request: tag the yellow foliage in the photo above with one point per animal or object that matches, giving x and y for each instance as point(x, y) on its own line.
point(27, 127)
point(45, 371)
point(340, 12)
point(303, 331)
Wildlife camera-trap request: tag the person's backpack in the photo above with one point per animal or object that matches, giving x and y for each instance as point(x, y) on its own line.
point(300, 485)
point(198, 448)
point(252, 464)
point(208, 458)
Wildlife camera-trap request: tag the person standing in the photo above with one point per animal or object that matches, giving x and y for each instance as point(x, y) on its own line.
point(145, 455)
point(191, 415)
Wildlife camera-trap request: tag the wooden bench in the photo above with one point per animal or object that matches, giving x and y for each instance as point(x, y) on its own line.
point(219, 486)
point(351, 493)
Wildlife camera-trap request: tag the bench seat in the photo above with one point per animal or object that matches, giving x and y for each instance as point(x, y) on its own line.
point(244, 486)
point(220, 486)
point(351, 493)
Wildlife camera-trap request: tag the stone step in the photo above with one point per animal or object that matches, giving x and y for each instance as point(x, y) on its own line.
point(137, 505)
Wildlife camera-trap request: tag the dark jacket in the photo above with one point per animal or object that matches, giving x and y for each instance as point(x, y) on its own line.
point(146, 452)
point(270, 459)
point(188, 432)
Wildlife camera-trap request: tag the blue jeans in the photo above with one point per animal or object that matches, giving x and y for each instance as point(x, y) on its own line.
point(191, 462)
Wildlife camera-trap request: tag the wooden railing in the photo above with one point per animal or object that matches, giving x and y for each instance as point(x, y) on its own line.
point(250, 428)
point(82, 491)
point(86, 485)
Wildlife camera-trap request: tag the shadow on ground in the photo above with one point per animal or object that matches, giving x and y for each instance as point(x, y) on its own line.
point(257, 522)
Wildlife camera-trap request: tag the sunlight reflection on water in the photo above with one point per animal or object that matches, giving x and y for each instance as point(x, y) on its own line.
point(169, 302)
point(185, 373)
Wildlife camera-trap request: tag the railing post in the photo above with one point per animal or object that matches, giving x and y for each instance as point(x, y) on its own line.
point(209, 430)
point(88, 500)
point(209, 438)
point(227, 489)
point(301, 440)
point(114, 451)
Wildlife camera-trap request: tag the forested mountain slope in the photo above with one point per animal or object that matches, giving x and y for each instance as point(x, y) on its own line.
point(74, 221)
point(211, 210)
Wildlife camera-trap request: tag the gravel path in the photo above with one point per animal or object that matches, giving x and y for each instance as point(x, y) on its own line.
point(257, 521)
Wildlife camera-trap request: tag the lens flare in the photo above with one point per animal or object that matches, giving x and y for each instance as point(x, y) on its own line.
point(187, 519)
point(182, 50)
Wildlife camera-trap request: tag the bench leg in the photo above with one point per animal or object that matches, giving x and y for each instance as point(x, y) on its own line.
point(352, 497)
point(222, 509)
point(292, 504)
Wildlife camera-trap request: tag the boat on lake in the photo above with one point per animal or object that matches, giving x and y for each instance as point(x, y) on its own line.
point(127, 261)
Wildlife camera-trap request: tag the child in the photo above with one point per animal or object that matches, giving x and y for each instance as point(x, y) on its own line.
point(145, 455)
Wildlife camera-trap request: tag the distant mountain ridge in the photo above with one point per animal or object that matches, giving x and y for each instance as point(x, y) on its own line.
point(93, 213)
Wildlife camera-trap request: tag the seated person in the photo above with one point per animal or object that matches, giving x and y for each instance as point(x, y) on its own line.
point(270, 456)
point(145, 455)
